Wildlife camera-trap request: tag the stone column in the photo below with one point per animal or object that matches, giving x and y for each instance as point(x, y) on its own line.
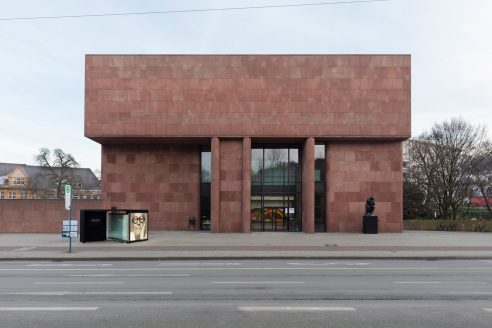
point(246, 201)
point(308, 186)
point(215, 185)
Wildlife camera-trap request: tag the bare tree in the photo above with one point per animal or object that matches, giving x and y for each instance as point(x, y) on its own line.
point(276, 156)
point(443, 162)
point(483, 176)
point(59, 166)
point(415, 203)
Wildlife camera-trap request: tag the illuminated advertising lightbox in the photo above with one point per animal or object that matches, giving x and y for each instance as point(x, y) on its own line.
point(138, 226)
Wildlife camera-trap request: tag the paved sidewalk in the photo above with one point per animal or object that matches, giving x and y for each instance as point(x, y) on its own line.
point(200, 245)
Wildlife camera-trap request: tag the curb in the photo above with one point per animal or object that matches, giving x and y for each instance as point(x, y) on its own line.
point(252, 258)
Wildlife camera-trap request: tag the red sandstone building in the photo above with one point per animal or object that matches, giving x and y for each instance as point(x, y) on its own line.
point(251, 142)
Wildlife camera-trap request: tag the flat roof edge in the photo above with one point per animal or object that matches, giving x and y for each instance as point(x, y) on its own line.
point(251, 54)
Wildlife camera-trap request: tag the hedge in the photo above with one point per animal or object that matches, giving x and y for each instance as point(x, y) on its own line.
point(433, 225)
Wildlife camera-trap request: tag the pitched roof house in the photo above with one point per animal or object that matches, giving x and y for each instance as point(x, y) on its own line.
point(21, 181)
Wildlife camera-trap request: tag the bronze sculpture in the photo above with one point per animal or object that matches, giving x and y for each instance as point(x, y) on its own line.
point(370, 206)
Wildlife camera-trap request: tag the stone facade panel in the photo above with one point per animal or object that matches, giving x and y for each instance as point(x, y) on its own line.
point(381, 178)
point(175, 96)
point(163, 179)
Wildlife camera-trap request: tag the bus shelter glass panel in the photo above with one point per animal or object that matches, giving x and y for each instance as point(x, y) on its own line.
point(118, 226)
point(127, 225)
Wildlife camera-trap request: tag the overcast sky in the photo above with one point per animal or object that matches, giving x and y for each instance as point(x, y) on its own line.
point(42, 61)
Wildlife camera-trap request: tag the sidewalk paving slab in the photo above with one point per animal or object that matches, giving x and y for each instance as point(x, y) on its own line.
point(174, 245)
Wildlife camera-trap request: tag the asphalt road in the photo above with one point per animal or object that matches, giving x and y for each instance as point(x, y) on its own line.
point(246, 294)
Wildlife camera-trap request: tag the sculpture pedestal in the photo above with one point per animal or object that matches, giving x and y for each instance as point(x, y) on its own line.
point(370, 224)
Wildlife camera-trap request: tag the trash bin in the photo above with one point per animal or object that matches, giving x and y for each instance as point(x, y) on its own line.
point(191, 222)
point(92, 225)
point(370, 224)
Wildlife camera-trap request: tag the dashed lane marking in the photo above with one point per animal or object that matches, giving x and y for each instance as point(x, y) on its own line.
point(24, 249)
point(129, 275)
point(440, 282)
point(201, 264)
point(330, 263)
point(50, 308)
point(78, 282)
point(294, 308)
point(258, 282)
point(63, 293)
point(68, 265)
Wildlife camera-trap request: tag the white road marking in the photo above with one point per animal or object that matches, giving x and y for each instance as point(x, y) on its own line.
point(130, 275)
point(77, 282)
point(63, 293)
point(227, 263)
point(258, 282)
point(487, 309)
point(50, 308)
point(296, 263)
point(38, 293)
point(329, 263)
point(440, 282)
point(23, 249)
point(202, 263)
point(242, 268)
point(178, 263)
point(68, 265)
point(120, 293)
point(294, 308)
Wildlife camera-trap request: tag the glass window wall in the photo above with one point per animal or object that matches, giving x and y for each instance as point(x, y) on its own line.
point(320, 195)
point(205, 187)
point(206, 166)
point(319, 162)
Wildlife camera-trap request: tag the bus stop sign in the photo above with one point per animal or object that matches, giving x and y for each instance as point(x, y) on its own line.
point(68, 197)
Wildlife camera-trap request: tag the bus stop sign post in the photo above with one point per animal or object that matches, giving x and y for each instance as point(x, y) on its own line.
point(68, 207)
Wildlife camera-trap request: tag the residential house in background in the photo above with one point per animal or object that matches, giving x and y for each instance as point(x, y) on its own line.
point(21, 181)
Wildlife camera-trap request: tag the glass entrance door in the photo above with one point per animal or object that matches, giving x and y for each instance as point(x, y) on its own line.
point(275, 188)
point(273, 213)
